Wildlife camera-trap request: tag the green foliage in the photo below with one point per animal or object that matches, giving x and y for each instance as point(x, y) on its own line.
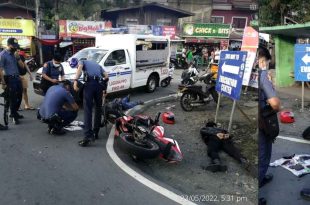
point(272, 12)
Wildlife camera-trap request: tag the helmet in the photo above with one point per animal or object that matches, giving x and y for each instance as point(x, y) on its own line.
point(22, 53)
point(168, 117)
point(73, 62)
point(287, 117)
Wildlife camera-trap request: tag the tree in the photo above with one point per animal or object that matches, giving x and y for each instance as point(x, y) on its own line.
point(272, 12)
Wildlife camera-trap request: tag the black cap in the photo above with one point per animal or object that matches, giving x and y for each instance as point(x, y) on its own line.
point(264, 52)
point(57, 56)
point(13, 42)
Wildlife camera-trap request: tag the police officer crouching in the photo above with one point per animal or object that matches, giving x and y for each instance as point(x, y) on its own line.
point(94, 91)
point(58, 108)
point(10, 79)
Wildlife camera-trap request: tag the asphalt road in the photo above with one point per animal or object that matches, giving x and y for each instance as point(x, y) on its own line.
point(285, 187)
point(37, 168)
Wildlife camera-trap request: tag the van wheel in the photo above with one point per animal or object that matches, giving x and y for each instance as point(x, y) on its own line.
point(151, 84)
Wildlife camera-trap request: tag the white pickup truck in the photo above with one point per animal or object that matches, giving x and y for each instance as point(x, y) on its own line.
point(130, 60)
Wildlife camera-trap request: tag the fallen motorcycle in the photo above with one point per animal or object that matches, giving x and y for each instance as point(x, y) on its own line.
point(198, 95)
point(143, 138)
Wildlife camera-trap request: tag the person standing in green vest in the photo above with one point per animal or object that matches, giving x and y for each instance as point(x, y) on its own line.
point(189, 56)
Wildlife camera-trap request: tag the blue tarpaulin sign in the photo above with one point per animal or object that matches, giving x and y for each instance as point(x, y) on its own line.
point(302, 62)
point(230, 73)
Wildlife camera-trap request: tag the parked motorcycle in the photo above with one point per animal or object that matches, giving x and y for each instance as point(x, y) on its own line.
point(198, 95)
point(165, 82)
point(179, 62)
point(32, 64)
point(190, 76)
point(143, 138)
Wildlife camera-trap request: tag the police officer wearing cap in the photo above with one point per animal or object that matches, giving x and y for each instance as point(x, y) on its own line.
point(10, 79)
point(94, 90)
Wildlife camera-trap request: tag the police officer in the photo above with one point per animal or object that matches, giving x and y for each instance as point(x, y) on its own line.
point(267, 94)
point(94, 90)
point(10, 79)
point(58, 108)
point(51, 72)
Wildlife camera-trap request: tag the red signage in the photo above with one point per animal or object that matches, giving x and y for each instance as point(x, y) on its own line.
point(169, 31)
point(250, 38)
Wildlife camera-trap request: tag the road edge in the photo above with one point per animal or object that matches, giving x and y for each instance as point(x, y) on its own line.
point(143, 180)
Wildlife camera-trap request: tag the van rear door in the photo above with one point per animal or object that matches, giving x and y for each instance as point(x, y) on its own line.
point(120, 70)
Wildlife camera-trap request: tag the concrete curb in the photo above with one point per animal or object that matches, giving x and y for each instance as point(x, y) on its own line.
point(180, 199)
point(147, 104)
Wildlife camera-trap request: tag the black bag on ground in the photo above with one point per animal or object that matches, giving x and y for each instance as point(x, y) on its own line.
point(306, 134)
point(269, 123)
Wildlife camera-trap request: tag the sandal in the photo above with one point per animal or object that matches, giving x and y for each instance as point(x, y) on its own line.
point(29, 108)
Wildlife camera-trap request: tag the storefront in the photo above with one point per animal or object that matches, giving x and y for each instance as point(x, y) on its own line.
point(210, 36)
point(23, 30)
point(77, 35)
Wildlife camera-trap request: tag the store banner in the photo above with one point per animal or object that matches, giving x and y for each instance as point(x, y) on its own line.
point(164, 31)
point(250, 44)
point(81, 29)
point(206, 30)
point(17, 27)
point(23, 41)
point(140, 29)
point(169, 31)
point(157, 30)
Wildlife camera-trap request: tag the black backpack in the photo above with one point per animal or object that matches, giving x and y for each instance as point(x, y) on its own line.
point(306, 134)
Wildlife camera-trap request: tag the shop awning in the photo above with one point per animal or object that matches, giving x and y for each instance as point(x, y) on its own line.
point(296, 30)
point(50, 42)
point(204, 40)
point(65, 44)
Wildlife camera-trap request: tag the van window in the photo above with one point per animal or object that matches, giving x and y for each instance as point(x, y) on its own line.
point(118, 57)
point(159, 46)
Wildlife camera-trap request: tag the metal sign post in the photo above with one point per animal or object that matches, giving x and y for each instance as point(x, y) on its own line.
point(217, 107)
point(302, 96)
point(230, 77)
point(231, 116)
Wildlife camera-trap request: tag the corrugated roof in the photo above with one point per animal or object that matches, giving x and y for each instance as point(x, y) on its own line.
point(182, 13)
point(295, 30)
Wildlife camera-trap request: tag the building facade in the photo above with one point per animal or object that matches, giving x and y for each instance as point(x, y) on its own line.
point(18, 22)
point(146, 14)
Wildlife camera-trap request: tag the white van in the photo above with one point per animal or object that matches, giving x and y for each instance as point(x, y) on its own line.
point(130, 60)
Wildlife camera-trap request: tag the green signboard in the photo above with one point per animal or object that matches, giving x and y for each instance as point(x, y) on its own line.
point(206, 30)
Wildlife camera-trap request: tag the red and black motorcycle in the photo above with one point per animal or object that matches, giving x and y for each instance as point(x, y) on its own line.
point(143, 138)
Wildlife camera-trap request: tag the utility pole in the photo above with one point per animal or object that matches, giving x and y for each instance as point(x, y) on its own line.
point(38, 32)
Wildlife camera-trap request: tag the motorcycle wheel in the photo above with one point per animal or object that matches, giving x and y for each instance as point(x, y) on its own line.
point(214, 95)
point(186, 100)
point(148, 150)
